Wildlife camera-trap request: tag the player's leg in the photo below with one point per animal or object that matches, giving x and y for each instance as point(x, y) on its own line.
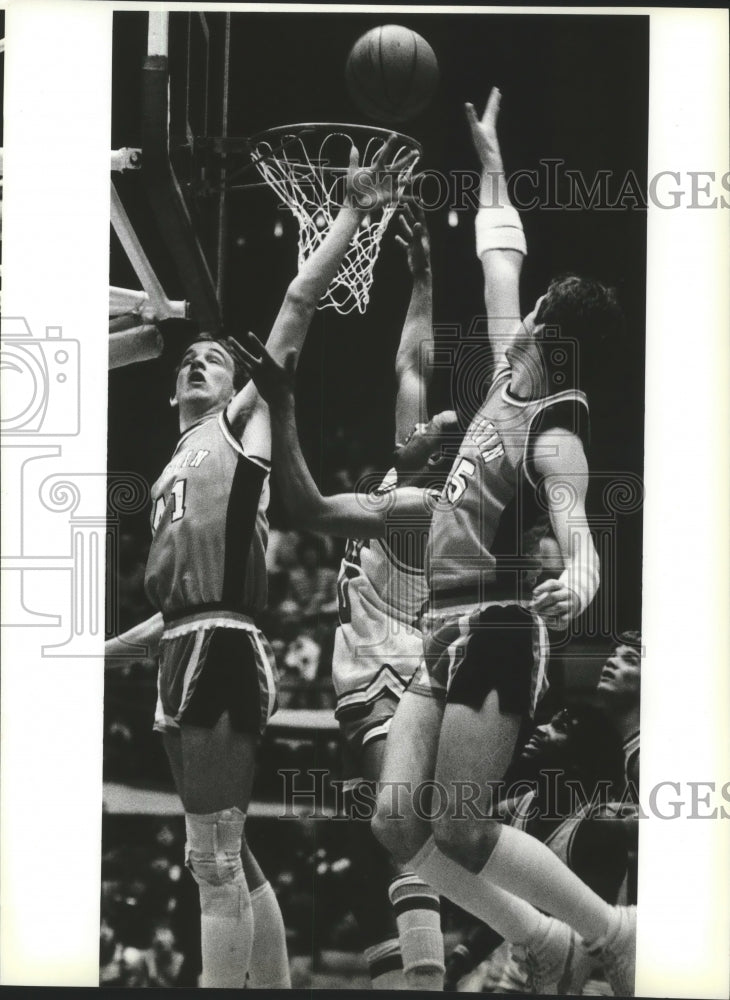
point(475, 749)
point(216, 693)
point(487, 698)
point(372, 867)
point(218, 768)
point(269, 965)
point(476, 743)
point(472, 859)
point(401, 822)
point(398, 913)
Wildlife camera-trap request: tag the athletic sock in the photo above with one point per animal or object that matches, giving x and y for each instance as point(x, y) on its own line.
point(418, 914)
point(385, 965)
point(523, 865)
point(269, 966)
point(513, 918)
point(226, 920)
point(226, 934)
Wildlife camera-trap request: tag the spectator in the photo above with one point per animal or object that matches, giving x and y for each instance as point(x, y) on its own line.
point(312, 584)
point(110, 955)
point(133, 968)
point(162, 958)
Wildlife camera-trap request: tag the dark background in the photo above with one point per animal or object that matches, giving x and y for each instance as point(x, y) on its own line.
point(574, 88)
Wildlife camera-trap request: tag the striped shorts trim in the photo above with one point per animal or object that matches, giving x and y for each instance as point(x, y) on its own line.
point(211, 664)
point(367, 721)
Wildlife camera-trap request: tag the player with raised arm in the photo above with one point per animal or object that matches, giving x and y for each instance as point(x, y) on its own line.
point(382, 588)
point(206, 575)
point(522, 458)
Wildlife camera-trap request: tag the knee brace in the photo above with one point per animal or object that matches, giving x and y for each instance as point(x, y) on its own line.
point(213, 849)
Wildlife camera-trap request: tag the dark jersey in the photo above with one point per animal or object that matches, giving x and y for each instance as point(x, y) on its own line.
point(631, 763)
point(486, 530)
point(209, 525)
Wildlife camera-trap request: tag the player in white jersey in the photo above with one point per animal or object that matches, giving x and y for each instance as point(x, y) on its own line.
point(484, 633)
point(206, 575)
point(378, 644)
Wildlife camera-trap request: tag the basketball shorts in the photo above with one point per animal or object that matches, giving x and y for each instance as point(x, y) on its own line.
point(368, 721)
point(362, 726)
point(370, 680)
point(468, 652)
point(215, 663)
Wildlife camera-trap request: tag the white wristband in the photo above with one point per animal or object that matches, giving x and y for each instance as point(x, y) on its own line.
point(499, 229)
point(583, 580)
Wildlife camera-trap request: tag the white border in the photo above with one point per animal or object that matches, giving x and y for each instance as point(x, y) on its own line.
point(55, 271)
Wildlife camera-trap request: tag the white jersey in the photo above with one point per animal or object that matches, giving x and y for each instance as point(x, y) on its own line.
point(382, 591)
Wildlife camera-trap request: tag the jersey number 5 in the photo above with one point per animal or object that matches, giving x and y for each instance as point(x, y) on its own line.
point(457, 481)
point(177, 498)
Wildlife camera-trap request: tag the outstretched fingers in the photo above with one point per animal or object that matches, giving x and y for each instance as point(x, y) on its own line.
point(406, 227)
point(385, 151)
point(403, 162)
point(471, 117)
point(492, 109)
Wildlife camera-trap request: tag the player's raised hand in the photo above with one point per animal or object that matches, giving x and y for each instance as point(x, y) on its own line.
point(274, 382)
point(414, 237)
point(484, 132)
point(555, 602)
point(370, 188)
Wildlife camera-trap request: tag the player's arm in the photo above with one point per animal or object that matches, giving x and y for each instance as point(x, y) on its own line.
point(146, 633)
point(359, 515)
point(560, 463)
point(501, 243)
point(412, 362)
point(368, 188)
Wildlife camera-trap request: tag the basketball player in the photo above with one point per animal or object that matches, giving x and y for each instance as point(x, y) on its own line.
point(378, 644)
point(619, 689)
point(206, 575)
point(484, 631)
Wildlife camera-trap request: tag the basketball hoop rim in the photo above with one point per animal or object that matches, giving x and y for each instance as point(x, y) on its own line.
point(334, 128)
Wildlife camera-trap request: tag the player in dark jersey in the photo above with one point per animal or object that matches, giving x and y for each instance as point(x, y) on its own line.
point(378, 644)
point(484, 633)
point(619, 694)
point(619, 689)
point(206, 576)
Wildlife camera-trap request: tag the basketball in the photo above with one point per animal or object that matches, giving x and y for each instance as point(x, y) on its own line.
point(391, 73)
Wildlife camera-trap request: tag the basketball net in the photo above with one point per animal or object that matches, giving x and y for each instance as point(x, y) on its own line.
point(306, 165)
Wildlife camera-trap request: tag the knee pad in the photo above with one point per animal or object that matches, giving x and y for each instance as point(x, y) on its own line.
point(213, 849)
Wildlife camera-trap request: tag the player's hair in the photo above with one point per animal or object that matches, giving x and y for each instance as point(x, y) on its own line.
point(631, 637)
point(588, 313)
point(581, 308)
